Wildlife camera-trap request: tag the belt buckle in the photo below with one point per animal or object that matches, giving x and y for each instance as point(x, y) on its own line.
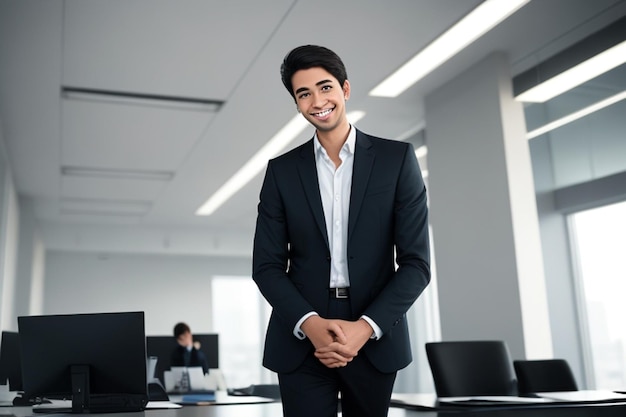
point(340, 292)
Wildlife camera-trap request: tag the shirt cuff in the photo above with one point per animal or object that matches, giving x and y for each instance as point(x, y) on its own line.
point(297, 331)
point(378, 333)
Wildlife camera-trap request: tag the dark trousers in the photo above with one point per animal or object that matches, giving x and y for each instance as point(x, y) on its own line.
point(312, 390)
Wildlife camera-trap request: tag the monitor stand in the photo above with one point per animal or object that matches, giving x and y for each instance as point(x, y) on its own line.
point(80, 395)
point(84, 402)
point(80, 388)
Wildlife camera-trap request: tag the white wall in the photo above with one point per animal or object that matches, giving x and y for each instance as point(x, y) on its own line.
point(9, 231)
point(3, 221)
point(30, 263)
point(10, 260)
point(167, 288)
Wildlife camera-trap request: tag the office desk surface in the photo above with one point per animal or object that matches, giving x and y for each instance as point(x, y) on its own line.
point(223, 398)
point(275, 410)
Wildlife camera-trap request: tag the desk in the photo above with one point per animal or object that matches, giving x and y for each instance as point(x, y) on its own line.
point(275, 410)
point(222, 398)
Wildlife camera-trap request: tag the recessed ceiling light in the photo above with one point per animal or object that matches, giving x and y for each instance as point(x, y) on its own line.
point(140, 99)
point(259, 161)
point(475, 24)
point(255, 165)
point(576, 115)
point(575, 76)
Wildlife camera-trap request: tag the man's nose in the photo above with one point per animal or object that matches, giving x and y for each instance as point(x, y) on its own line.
point(319, 100)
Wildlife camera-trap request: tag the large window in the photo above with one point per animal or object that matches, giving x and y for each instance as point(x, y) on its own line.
point(240, 317)
point(599, 241)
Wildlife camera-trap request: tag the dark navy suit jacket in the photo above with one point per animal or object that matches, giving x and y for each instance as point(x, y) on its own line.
point(196, 358)
point(291, 257)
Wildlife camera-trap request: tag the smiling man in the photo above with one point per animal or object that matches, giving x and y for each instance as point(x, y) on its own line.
point(332, 214)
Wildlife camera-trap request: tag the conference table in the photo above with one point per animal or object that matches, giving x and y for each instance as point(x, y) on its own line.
point(261, 407)
point(274, 409)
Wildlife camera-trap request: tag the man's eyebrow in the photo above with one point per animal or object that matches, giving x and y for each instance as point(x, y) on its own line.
point(301, 89)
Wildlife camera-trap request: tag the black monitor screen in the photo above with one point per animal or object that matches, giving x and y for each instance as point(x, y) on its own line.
point(163, 346)
point(112, 346)
point(10, 363)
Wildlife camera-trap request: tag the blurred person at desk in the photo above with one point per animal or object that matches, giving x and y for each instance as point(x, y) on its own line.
point(186, 354)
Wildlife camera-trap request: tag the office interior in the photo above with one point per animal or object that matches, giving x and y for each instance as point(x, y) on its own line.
point(98, 197)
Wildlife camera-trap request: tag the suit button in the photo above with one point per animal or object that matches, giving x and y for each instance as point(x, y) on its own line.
point(328, 258)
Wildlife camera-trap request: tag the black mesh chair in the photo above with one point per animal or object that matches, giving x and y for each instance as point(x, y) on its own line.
point(262, 390)
point(544, 376)
point(470, 368)
point(266, 390)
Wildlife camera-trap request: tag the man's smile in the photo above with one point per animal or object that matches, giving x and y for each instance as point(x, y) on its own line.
point(323, 113)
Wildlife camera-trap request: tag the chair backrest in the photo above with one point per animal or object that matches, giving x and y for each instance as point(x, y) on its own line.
point(467, 368)
point(544, 376)
point(258, 390)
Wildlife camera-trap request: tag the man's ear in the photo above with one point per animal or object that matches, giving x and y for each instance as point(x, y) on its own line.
point(346, 89)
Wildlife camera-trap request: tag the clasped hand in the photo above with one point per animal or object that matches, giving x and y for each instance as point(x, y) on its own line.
point(336, 341)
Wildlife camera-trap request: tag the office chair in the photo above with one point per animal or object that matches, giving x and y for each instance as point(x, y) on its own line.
point(544, 376)
point(469, 368)
point(261, 390)
point(266, 390)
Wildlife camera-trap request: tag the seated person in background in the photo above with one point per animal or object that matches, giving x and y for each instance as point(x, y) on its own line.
point(185, 354)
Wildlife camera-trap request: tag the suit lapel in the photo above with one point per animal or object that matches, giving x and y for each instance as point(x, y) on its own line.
point(363, 162)
point(310, 184)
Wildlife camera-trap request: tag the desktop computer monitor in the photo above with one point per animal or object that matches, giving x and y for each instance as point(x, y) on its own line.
point(96, 360)
point(10, 362)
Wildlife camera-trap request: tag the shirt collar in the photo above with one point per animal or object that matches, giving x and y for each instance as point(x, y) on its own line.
point(348, 145)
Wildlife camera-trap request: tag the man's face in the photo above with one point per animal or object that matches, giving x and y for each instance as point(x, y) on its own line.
point(185, 339)
point(320, 98)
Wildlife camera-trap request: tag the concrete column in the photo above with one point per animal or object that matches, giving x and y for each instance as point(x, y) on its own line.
point(483, 213)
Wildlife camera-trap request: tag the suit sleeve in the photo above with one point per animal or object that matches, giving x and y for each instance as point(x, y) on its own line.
point(270, 255)
point(411, 241)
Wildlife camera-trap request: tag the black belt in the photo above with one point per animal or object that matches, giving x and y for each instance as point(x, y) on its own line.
point(339, 292)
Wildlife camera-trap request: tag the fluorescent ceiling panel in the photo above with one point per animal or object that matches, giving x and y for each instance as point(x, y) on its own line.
point(259, 160)
point(475, 24)
point(577, 75)
point(130, 98)
point(576, 115)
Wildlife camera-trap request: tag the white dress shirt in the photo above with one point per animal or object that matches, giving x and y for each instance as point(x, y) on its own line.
point(335, 186)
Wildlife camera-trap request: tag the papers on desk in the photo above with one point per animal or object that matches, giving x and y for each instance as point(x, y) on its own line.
point(583, 396)
point(414, 400)
point(217, 397)
point(183, 379)
point(195, 399)
point(161, 405)
point(494, 400)
point(546, 398)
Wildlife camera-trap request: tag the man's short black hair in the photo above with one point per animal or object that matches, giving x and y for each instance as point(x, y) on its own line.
point(310, 56)
point(181, 328)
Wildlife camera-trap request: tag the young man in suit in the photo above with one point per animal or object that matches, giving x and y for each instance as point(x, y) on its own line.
point(334, 216)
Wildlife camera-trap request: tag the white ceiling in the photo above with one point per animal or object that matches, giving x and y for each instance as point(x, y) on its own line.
point(213, 50)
